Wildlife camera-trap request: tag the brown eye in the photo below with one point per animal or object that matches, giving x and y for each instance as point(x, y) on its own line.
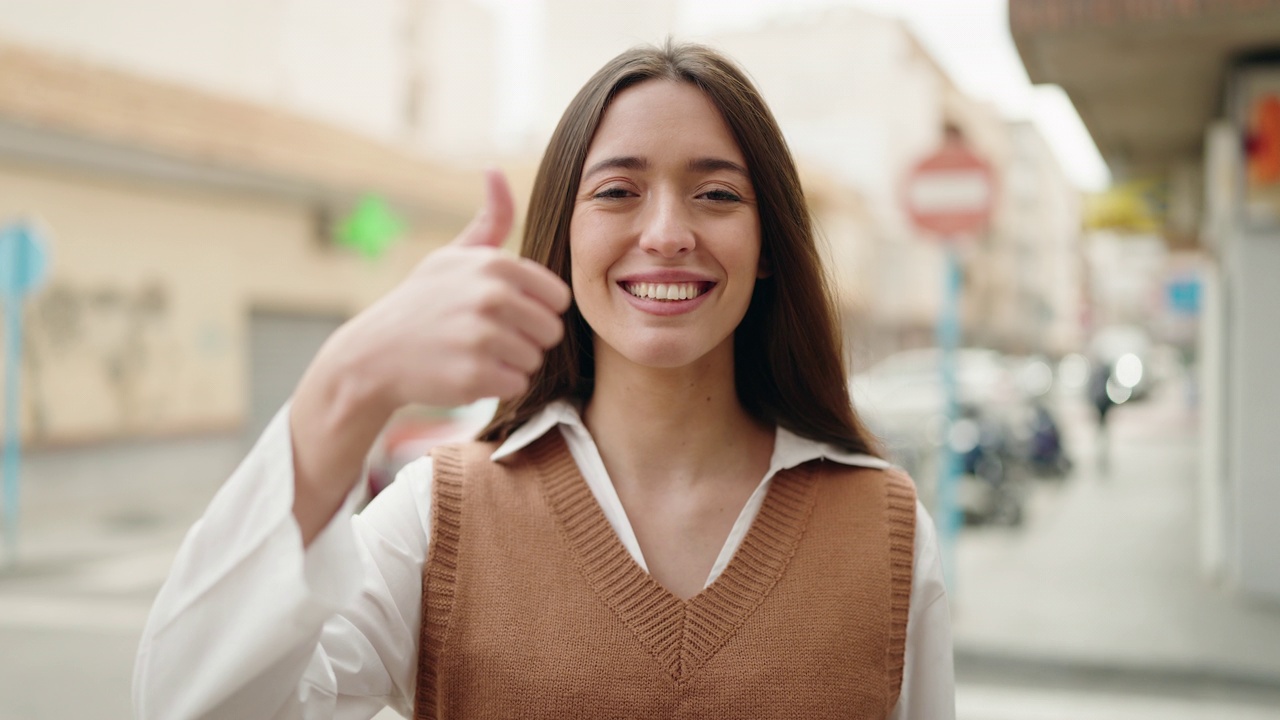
point(721, 196)
point(614, 193)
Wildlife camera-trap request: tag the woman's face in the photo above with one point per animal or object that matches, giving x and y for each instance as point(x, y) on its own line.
point(665, 234)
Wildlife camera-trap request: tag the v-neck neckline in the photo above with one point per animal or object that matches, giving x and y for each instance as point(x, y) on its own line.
point(681, 634)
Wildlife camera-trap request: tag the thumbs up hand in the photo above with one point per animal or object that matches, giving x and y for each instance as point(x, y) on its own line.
point(470, 321)
point(493, 221)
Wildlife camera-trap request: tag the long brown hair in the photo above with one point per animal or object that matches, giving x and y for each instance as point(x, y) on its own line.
point(788, 369)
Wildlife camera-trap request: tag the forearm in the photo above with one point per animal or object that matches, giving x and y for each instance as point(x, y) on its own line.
point(334, 420)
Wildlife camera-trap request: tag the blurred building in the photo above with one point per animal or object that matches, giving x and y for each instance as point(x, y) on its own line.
point(378, 67)
point(219, 144)
point(1185, 97)
point(860, 102)
point(191, 184)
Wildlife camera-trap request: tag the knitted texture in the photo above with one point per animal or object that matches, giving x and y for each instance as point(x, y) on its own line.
point(533, 608)
point(439, 574)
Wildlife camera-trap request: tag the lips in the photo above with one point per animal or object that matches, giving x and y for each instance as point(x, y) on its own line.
point(666, 292)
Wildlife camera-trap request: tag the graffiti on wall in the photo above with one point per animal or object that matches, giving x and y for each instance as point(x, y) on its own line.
point(122, 336)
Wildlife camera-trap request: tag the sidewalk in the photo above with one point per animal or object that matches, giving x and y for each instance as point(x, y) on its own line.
point(1101, 587)
point(98, 532)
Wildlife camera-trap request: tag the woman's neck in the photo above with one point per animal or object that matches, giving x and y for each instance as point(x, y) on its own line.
point(679, 426)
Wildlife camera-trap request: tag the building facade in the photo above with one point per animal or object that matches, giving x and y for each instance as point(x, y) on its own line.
point(1186, 95)
point(265, 123)
point(180, 222)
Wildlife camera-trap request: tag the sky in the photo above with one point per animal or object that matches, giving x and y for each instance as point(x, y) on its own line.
point(968, 38)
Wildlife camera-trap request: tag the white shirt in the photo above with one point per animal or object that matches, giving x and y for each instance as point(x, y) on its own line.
point(250, 625)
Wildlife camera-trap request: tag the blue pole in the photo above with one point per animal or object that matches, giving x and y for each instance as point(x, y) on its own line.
point(11, 260)
point(948, 339)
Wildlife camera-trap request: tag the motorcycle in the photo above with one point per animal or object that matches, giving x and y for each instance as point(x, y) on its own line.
point(991, 490)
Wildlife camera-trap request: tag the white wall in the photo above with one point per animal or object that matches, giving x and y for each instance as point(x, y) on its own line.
point(460, 79)
point(1048, 237)
point(340, 61)
point(581, 36)
point(1218, 547)
point(1251, 263)
point(1253, 350)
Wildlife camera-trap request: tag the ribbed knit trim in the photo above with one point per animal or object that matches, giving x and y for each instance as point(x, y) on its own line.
point(900, 517)
point(681, 635)
point(441, 571)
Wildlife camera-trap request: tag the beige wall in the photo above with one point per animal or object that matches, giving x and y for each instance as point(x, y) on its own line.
point(141, 328)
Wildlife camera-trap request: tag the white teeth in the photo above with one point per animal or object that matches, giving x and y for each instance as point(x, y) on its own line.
point(665, 291)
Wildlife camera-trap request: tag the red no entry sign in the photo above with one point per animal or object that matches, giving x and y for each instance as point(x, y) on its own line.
point(951, 192)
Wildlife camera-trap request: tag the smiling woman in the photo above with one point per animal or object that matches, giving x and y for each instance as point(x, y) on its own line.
point(663, 218)
point(675, 511)
point(788, 366)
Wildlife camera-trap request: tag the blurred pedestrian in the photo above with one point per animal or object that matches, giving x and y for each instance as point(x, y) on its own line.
point(1100, 380)
point(675, 509)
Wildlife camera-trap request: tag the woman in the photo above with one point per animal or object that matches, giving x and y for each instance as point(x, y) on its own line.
point(675, 512)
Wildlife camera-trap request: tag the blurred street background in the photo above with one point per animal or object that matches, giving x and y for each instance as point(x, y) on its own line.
point(194, 194)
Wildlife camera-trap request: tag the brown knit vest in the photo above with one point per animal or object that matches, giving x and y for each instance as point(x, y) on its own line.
point(532, 607)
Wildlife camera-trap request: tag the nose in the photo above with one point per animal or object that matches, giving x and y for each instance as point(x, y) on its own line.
point(666, 226)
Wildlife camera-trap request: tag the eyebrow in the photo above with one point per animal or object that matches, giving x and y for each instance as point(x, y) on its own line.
point(631, 162)
point(712, 164)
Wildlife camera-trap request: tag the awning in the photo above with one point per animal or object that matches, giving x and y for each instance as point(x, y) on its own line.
point(1145, 75)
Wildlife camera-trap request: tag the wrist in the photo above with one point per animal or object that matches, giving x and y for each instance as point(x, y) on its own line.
point(334, 420)
point(354, 392)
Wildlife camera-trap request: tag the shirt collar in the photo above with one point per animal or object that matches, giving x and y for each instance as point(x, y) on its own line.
point(789, 449)
point(556, 412)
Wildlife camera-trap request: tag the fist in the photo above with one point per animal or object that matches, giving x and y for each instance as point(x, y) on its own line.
point(470, 321)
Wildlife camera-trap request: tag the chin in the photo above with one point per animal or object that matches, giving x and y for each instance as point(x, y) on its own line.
point(664, 350)
point(664, 359)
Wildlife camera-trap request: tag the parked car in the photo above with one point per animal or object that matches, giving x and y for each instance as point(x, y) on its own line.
point(1005, 432)
point(991, 490)
point(902, 397)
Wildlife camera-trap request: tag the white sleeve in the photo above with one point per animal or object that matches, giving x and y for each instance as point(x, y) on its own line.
point(249, 625)
point(928, 674)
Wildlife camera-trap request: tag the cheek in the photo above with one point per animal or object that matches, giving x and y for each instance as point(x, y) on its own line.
point(578, 255)
point(589, 253)
point(579, 266)
point(586, 276)
point(750, 259)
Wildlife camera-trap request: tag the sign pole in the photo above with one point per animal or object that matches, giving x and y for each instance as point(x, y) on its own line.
point(947, 336)
point(949, 195)
point(11, 260)
point(23, 261)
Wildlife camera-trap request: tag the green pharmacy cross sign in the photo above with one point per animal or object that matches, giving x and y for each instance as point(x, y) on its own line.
point(370, 228)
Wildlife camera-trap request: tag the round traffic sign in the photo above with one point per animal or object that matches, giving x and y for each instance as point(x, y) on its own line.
point(950, 192)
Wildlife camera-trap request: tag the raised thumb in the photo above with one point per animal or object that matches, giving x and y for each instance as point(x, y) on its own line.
point(493, 222)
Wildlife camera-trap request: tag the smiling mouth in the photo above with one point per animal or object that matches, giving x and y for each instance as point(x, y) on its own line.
point(667, 291)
